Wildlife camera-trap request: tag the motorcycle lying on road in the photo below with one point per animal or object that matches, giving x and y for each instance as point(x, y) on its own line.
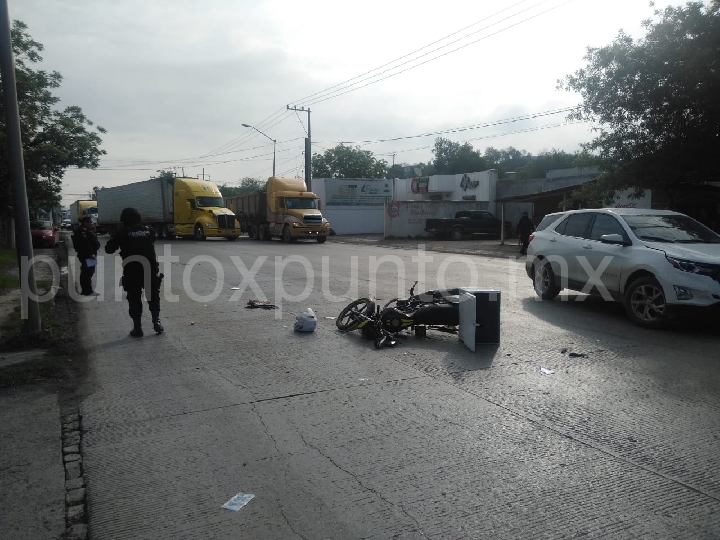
point(435, 309)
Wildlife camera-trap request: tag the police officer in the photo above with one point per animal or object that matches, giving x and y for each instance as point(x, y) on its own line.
point(86, 246)
point(140, 268)
point(524, 229)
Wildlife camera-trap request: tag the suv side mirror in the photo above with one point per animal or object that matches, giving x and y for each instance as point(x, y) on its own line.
point(613, 239)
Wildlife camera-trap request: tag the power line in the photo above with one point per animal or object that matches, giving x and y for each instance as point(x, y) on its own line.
point(334, 91)
point(493, 136)
point(353, 88)
point(317, 94)
point(466, 128)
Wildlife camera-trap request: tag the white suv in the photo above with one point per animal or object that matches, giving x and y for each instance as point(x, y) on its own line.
point(656, 262)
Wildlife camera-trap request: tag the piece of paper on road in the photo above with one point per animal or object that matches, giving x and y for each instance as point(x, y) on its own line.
point(238, 501)
point(546, 371)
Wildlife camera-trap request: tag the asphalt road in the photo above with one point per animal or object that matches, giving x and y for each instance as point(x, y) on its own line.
point(426, 440)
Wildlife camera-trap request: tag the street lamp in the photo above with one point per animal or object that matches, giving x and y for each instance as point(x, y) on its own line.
point(273, 141)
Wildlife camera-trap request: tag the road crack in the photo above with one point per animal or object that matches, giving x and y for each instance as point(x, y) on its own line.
point(366, 487)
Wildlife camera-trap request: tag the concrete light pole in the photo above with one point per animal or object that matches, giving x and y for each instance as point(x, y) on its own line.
point(33, 322)
point(273, 141)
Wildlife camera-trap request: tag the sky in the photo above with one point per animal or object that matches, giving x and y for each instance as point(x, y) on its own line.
point(172, 81)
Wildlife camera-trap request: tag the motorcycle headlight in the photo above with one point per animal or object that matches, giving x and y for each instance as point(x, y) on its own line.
point(690, 266)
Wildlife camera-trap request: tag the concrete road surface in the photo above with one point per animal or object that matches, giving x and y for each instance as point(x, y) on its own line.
point(423, 441)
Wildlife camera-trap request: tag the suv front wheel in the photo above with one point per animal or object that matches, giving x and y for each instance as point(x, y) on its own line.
point(645, 303)
point(544, 281)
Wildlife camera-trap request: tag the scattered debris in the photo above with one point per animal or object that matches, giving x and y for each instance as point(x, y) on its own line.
point(264, 304)
point(577, 355)
point(509, 354)
point(546, 371)
point(234, 288)
point(192, 323)
point(563, 351)
point(331, 318)
point(238, 501)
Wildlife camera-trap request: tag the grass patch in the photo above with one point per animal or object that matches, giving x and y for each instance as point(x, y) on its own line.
point(58, 339)
point(54, 334)
point(8, 261)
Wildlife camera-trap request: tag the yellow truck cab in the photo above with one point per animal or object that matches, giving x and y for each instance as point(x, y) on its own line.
point(285, 209)
point(172, 206)
point(293, 211)
point(200, 210)
point(81, 208)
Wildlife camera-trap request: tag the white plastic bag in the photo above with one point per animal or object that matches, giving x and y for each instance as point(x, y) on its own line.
point(305, 321)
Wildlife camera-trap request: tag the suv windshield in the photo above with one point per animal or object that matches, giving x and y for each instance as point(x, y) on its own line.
point(205, 202)
point(671, 228)
point(297, 202)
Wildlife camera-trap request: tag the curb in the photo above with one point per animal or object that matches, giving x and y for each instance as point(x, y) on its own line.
point(76, 527)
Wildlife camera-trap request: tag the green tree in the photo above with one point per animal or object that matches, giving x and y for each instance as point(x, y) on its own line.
point(507, 160)
point(165, 175)
point(545, 161)
point(53, 140)
point(405, 170)
point(454, 158)
point(347, 162)
point(656, 101)
point(247, 185)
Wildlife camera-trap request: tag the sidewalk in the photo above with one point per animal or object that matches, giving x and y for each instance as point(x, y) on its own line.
point(37, 429)
point(472, 246)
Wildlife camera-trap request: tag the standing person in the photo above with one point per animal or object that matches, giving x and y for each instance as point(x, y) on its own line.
point(86, 246)
point(524, 229)
point(140, 268)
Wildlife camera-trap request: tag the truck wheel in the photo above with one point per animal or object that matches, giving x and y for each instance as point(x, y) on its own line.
point(166, 232)
point(456, 233)
point(286, 236)
point(232, 238)
point(265, 233)
point(321, 239)
point(253, 233)
point(199, 232)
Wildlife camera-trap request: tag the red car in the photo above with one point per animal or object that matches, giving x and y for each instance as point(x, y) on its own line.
point(44, 235)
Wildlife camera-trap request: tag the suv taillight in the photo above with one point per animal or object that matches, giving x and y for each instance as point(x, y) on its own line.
point(531, 237)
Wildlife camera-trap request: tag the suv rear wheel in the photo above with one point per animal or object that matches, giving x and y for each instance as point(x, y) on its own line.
point(645, 303)
point(544, 281)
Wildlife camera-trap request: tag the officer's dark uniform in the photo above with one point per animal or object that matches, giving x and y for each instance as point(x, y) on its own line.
point(86, 246)
point(137, 241)
point(524, 229)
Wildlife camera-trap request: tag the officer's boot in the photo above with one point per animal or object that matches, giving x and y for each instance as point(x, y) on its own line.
point(156, 323)
point(137, 329)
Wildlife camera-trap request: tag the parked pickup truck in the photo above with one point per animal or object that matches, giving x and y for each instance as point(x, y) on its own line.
point(466, 222)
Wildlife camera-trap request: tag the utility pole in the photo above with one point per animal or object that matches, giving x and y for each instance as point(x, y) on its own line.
point(33, 323)
point(308, 147)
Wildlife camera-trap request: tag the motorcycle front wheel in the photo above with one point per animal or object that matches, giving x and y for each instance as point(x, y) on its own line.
point(349, 318)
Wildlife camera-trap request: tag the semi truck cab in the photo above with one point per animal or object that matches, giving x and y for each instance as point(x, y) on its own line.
point(200, 211)
point(294, 212)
